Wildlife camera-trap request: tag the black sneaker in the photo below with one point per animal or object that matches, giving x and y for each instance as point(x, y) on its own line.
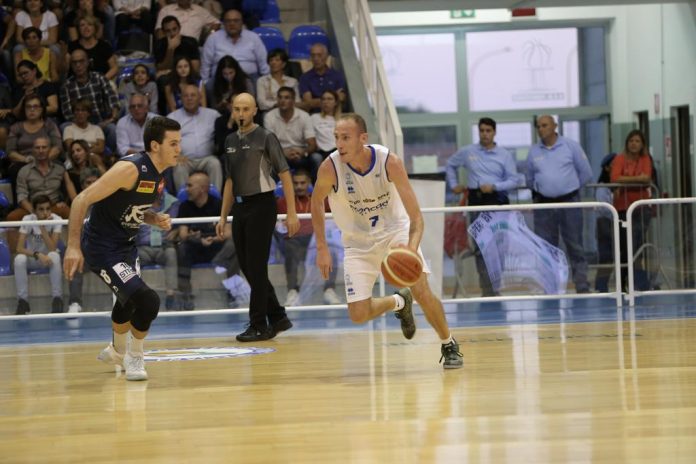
point(187, 303)
point(281, 326)
point(405, 314)
point(450, 353)
point(252, 334)
point(57, 305)
point(22, 307)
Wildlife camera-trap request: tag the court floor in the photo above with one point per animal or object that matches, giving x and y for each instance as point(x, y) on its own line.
point(551, 381)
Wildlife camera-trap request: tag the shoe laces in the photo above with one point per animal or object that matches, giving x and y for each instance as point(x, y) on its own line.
point(450, 351)
point(136, 363)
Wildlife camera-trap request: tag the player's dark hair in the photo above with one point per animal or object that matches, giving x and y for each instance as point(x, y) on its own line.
point(155, 130)
point(357, 119)
point(487, 122)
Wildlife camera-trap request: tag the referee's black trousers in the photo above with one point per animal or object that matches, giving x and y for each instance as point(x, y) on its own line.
point(253, 223)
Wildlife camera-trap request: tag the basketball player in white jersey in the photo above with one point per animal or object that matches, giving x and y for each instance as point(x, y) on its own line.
point(374, 206)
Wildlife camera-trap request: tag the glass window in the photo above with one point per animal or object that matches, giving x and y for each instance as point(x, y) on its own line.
point(421, 72)
point(522, 69)
point(428, 148)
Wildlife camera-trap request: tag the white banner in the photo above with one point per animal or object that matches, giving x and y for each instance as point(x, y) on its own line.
point(514, 255)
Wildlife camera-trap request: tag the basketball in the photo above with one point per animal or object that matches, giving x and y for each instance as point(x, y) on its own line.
point(402, 267)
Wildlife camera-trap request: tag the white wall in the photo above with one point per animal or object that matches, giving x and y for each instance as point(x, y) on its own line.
point(652, 49)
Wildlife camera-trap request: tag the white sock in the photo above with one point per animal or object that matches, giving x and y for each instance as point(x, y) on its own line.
point(120, 342)
point(136, 347)
point(400, 302)
point(448, 340)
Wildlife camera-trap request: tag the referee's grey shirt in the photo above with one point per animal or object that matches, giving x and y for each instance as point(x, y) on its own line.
point(251, 160)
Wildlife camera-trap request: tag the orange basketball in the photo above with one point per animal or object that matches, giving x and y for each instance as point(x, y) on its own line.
point(402, 267)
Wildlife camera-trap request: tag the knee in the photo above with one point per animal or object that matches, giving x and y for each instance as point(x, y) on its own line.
point(20, 261)
point(55, 257)
point(145, 305)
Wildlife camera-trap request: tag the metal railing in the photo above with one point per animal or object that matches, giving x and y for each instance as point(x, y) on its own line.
point(374, 75)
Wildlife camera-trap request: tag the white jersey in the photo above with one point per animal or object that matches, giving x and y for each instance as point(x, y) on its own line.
point(366, 207)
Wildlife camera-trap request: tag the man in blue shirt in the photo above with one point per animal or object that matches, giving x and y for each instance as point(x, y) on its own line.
point(320, 78)
point(556, 169)
point(491, 173)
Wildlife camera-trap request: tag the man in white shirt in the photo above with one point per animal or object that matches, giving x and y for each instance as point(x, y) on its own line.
point(197, 139)
point(295, 131)
point(193, 19)
point(130, 128)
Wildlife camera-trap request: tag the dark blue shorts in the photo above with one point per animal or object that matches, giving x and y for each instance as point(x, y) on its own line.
point(119, 268)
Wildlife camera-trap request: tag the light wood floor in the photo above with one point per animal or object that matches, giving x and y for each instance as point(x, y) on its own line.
point(528, 394)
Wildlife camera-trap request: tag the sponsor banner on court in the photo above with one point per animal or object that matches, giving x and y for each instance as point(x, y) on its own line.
point(195, 354)
point(514, 255)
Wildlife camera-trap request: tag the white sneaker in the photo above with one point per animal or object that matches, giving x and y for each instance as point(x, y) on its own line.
point(135, 367)
point(292, 298)
point(330, 297)
point(109, 355)
point(74, 308)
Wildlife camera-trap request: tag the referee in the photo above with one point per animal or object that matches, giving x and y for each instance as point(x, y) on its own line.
point(252, 155)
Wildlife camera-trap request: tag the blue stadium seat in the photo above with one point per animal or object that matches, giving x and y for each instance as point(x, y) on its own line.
point(302, 38)
point(272, 37)
point(5, 258)
point(272, 13)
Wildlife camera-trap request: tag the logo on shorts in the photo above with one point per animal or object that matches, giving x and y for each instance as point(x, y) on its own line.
point(146, 186)
point(124, 272)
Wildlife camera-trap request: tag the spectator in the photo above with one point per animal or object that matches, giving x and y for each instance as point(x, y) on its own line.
point(23, 134)
point(634, 167)
point(7, 117)
point(43, 57)
point(33, 83)
point(156, 247)
point(97, 89)
point(35, 14)
point(197, 139)
point(40, 177)
point(140, 83)
point(296, 246)
point(229, 80)
point(80, 161)
point(194, 19)
point(198, 243)
point(604, 228)
point(86, 8)
point(294, 130)
point(131, 13)
point(491, 174)
point(179, 77)
point(37, 249)
point(131, 127)
point(82, 129)
point(267, 86)
point(99, 52)
point(324, 123)
point(557, 168)
point(243, 45)
point(224, 126)
point(174, 45)
point(321, 77)
point(87, 177)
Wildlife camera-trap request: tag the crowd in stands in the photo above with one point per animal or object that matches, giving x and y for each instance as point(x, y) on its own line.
point(70, 109)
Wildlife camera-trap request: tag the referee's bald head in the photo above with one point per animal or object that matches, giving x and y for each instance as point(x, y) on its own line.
point(244, 99)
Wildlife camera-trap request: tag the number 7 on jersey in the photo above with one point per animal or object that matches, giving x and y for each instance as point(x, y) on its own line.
point(374, 220)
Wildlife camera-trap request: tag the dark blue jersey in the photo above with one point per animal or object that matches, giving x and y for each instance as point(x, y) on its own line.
point(114, 221)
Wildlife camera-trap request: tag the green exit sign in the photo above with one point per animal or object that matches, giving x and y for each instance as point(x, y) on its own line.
point(459, 14)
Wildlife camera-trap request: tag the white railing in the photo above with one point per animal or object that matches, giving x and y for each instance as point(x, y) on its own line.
point(632, 293)
point(374, 75)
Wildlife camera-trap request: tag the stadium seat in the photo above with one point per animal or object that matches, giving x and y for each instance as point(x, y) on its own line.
point(302, 38)
point(272, 13)
point(5, 257)
point(271, 37)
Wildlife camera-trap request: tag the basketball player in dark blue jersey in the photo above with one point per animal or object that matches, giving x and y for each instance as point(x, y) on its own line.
point(121, 200)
